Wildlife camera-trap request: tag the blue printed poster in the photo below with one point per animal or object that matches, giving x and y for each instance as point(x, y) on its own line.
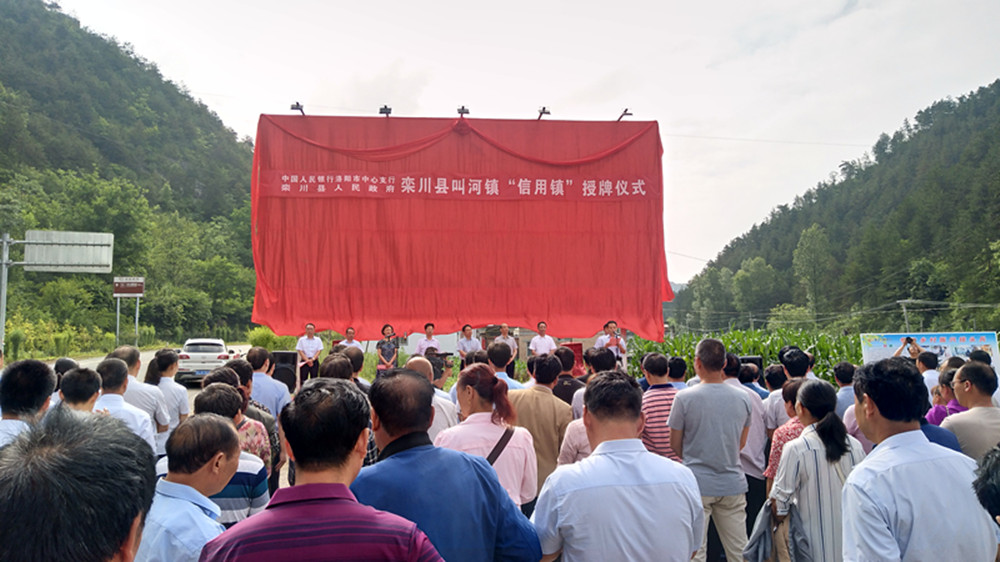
point(945, 344)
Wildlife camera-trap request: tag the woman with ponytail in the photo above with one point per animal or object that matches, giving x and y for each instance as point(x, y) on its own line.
point(160, 373)
point(813, 468)
point(488, 414)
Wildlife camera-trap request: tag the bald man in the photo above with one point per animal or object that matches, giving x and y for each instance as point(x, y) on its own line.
point(445, 413)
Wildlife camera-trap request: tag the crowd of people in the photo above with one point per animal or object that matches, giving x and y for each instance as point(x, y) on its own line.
point(895, 461)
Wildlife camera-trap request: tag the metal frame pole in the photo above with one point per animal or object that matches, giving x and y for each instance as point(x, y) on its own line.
point(118, 318)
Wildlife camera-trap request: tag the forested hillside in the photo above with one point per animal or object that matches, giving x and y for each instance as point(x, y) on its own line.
point(915, 219)
point(94, 138)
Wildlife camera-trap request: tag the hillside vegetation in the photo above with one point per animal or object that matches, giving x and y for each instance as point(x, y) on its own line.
point(94, 138)
point(913, 220)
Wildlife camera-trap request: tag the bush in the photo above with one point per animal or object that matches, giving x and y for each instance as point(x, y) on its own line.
point(61, 343)
point(261, 336)
point(15, 339)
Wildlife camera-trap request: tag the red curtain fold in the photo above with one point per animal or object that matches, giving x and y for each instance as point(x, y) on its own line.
point(591, 252)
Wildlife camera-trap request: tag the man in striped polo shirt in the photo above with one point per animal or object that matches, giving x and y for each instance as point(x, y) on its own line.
point(656, 403)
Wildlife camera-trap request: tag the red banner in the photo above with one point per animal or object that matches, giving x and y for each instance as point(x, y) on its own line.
point(363, 221)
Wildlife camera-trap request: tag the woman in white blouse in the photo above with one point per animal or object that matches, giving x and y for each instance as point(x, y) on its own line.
point(488, 413)
point(813, 468)
point(160, 373)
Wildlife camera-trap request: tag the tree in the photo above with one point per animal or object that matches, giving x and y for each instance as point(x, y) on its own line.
point(757, 286)
point(813, 265)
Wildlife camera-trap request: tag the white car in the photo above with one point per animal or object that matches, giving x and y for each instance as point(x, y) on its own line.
point(199, 356)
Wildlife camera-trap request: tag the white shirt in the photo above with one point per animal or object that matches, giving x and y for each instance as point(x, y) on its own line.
point(912, 500)
point(176, 397)
point(510, 341)
point(445, 416)
point(149, 399)
point(930, 381)
point(311, 347)
point(805, 476)
point(610, 506)
point(136, 420)
point(468, 345)
point(604, 339)
point(353, 343)
point(542, 345)
point(752, 455)
point(10, 429)
point(774, 411)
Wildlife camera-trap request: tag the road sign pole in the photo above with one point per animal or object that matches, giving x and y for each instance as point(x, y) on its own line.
point(137, 321)
point(118, 318)
point(4, 262)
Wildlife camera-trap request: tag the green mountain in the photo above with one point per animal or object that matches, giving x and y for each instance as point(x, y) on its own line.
point(913, 220)
point(93, 137)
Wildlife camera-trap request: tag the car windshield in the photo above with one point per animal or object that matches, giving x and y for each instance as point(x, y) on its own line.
point(204, 348)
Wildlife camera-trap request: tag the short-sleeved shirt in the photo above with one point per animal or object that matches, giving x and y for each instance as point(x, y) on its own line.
point(149, 399)
point(426, 343)
point(387, 349)
point(788, 431)
point(176, 397)
point(977, 429)
point(271, 393)
point(136, 420)
point(516, 466)
point(320, 522)
point(469, 345)
point(774, 410)
point(542, 345)
point(244, 495)
point(179, 524)
point(603, 340)
point(510, 341)
point(576, 445)
point(656, 404)
point(712, 417)
point(913, 500)
point(311, 347)
point(10, 429)
point(602, 507)
point(254, 440)
point(353, 343)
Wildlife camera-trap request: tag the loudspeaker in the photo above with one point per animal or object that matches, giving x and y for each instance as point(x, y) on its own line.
point(285, 366)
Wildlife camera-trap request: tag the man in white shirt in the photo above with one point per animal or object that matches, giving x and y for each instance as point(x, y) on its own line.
point(909, 499)
point(599, 508)
point(612, 339)
point(350, 341)
point(445, 411)
point(309, 347)
point(927, 364)
point(467, 344)
point(146, 397)
point(114, 382)
point(542, 344)
point(25, 391)
point(428, 341)
point(511, 342)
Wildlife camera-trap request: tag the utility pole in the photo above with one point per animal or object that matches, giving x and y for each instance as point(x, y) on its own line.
point(906, 316)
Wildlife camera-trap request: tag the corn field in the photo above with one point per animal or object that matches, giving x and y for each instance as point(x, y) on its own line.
point(827, 348)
